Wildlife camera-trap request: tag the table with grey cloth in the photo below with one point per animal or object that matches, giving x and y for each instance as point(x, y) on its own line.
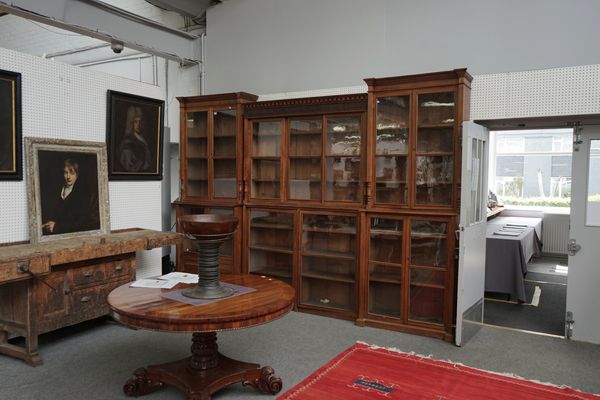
point(506, 257)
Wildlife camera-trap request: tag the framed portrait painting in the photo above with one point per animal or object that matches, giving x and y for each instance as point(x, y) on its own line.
point(67, 188)
point(134, 137)
point(11, 167)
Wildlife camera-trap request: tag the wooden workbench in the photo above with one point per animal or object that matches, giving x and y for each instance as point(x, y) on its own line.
point(47, 286)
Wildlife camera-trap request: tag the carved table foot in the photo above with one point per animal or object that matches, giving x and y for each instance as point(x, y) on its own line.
point(266, 381)
point(142, 383)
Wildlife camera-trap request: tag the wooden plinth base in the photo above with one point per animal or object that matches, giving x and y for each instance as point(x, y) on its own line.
point(199, 380)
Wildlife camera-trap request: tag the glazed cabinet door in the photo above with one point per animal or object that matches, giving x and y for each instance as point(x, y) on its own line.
point(429, 263)
point(304, 155)
point(343, 148)
point(386, 266)
point(435, 148)
point(270, 243)
point(328, 262)
point(265, 159)
point(224, 154)
point(195, 155)
point(391, 161)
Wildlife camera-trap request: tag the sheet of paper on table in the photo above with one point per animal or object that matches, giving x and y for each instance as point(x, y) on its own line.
point(180, 277)
point(507, 233)
point(153, 283)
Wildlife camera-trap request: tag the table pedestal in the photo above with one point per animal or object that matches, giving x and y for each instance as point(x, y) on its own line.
point(202, 374)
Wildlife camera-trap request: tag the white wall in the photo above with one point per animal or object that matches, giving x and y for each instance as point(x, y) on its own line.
point(66, 102)
point(271, 46)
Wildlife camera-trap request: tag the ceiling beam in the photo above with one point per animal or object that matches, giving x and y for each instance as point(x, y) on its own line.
point(105, 22)
point(191, 8)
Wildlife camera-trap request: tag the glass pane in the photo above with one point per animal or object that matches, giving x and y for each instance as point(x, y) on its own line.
point(305, 137)
point(385, 298)
point(386, 240)
point(305, 179)
point(343, 136)
point(265, 179)
point(343, 175)
point(592, 215)
point(278, 265)
point(328, 293)
point(326, 268)
point(266, 139)
point(225, 182)
point(224, 133)
point(434, 178)
point(329, 235)
point(436, 109)
point(271, 231)
point(392, 125)
point(425, 276)
point(196, 124)
point(426, 304)
point(435, 140)
point(197, 177)
point(428, 243)
point(390, 176)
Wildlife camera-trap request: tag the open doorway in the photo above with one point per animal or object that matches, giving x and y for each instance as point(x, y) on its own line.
point(530, 175)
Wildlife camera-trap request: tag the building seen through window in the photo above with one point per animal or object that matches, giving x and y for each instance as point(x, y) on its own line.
point(532, 167)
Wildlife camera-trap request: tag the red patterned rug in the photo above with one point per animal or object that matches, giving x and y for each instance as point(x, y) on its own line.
point(369, 372)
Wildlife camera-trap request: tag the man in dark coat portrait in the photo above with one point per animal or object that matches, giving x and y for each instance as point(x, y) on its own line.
point(73, 208)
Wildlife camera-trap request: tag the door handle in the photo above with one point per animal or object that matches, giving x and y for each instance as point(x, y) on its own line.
point(573, 247)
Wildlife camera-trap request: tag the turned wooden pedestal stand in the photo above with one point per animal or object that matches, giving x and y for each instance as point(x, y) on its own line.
point(206, 371)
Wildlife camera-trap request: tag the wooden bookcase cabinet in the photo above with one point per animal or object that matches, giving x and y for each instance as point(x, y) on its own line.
point(354, 199)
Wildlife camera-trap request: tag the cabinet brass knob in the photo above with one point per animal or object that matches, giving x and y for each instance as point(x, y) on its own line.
point(119, 267)
point(87, 274)
point(85, 299)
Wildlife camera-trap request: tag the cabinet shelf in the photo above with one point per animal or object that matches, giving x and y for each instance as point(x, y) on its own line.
point(341, 231)
point(274, 272)
point(305, 157)
point(436, 126)
point(328, 277)
point(375, 233)
point(226, 136)
point(270, 226)
point(385, 278)
point(308, 133)
point(321, 303)
point(328, 254)
point(428, 285)
point(434, 154)
point(428, 235)
point(272, 249)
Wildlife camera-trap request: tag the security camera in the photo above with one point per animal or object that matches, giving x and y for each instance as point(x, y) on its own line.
point(117, 47)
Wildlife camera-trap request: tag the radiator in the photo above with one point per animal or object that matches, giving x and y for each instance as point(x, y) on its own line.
point(555, 233)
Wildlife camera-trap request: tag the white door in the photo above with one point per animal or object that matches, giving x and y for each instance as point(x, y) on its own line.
point(583, 289)
point(472, 230)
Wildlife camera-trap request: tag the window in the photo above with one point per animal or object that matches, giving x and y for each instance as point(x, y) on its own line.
point(532, 167)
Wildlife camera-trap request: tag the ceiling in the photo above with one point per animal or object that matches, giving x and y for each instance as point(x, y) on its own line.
point(85, 37)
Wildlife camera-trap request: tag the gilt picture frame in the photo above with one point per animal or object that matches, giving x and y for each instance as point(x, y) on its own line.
point(134, 137)
point(11, 165)
point(67, 188)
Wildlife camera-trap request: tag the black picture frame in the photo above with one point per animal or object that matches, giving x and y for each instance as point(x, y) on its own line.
point(67, 189)
point(134, 151)
point(11, 162)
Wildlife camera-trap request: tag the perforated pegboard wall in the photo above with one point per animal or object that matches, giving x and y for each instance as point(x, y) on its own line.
point(66, 102)
point(548, 92)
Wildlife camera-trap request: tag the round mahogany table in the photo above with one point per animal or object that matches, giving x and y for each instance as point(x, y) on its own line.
point(206, 370)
